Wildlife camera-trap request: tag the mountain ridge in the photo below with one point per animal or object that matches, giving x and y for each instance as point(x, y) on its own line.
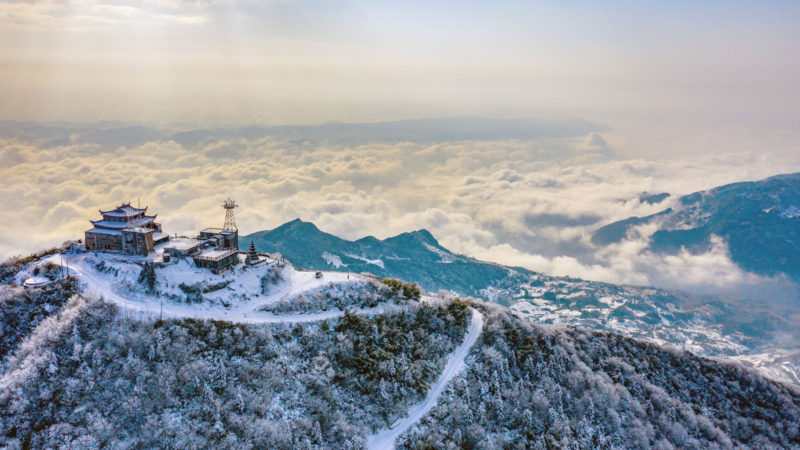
point(300, 242)
point(709, 326)
point(110, 379)
point(759, 222)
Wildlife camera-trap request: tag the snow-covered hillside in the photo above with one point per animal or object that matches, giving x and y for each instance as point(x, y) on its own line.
point(99, 369)
point(242, 297)
point(259, 294)
point(705, 328)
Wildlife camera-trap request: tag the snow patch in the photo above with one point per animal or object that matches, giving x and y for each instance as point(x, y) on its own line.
point(375, 262)
point(791, 212)
point(333, 260)
point(444, 257)
point(241, 301)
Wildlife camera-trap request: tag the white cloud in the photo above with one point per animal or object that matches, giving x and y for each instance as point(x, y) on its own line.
point(526, 203)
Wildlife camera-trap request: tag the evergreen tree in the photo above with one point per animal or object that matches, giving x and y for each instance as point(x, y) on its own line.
point(151, 277)
point(148, 276)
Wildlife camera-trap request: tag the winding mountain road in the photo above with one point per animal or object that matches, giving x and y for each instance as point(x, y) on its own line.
point(385, 439)
point(95, 283)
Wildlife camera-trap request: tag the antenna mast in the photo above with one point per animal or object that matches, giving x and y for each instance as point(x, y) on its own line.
point(230, 221)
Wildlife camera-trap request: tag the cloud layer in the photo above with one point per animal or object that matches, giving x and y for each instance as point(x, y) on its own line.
point(531, 203)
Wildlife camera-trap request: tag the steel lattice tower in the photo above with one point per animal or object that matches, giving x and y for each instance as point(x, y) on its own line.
point(230, 221)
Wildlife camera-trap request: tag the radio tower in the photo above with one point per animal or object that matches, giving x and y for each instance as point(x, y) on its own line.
point(230, 221)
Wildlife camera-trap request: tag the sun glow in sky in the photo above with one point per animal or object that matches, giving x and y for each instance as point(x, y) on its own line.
point(304, 61)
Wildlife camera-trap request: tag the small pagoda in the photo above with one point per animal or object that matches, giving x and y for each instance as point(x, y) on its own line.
point(252, 254)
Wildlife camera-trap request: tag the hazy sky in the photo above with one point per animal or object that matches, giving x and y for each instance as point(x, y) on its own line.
point(725, 64)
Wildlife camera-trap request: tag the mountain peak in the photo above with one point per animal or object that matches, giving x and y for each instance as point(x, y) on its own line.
point(419, 236)
point(425, 236)
point(297, 224)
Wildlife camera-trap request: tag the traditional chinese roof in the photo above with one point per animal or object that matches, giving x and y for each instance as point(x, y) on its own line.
point(137, 222)
point(105, 231)
point(124, 210)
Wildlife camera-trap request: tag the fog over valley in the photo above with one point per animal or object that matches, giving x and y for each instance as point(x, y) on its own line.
point(519, 192)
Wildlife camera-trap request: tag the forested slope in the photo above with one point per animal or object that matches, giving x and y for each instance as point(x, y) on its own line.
point(758, 220)
point(112, 381)
point(542, 387)
point(22, 310)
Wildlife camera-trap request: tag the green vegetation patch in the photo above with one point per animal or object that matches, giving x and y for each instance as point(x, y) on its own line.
point(409, 291)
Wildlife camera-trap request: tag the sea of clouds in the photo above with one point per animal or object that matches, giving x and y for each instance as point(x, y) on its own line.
point(531, 202)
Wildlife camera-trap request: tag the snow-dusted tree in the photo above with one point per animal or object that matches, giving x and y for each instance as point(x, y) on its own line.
point(273, 276)
point(148, 276)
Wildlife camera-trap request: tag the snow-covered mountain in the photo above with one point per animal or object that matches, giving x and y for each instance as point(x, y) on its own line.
point(757, 333)
point(240, 360)
point(759, 221)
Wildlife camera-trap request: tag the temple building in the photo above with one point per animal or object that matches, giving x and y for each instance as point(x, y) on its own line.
point(125, 229)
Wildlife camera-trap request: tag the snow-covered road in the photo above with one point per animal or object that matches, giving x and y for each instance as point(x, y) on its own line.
point(385, 439)
point(101, 285)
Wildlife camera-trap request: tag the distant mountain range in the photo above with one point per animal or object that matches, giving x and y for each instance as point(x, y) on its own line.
point(759, 221)
point(708, 326)
point(115, 134)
